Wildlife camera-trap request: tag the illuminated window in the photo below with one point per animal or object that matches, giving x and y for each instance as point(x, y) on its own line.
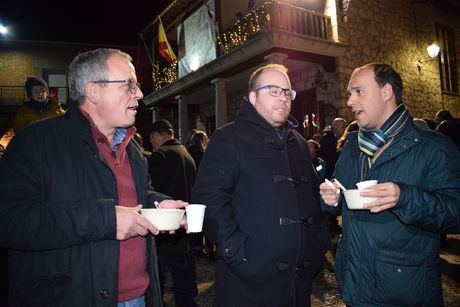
point(447, 60)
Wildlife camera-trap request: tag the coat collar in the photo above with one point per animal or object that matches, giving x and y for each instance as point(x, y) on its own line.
point(407, 138)
point(171, 142)
point(273, 137)
point(81, 126)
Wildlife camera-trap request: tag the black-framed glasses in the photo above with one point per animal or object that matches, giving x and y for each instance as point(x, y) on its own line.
point(132, 85)
point(275, 91)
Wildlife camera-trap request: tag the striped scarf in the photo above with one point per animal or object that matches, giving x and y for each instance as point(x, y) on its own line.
point(371, 140)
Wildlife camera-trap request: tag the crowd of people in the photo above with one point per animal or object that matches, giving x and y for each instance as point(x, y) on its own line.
point(72, 186)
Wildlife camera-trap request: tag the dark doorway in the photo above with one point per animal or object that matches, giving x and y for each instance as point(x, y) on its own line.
point(308, 112)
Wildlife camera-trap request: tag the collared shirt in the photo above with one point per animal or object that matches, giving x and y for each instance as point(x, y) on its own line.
point(133, 278)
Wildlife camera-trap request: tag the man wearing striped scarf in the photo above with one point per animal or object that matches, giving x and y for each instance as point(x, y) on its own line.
point(389, 252)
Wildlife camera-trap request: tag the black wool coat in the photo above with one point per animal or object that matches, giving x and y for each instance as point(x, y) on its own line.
point(57, 216)
point(263, 212)
point(173, 173)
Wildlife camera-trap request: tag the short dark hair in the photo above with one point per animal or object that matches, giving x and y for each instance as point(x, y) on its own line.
point(162, 126)
point(443, 114)
point(383, 74)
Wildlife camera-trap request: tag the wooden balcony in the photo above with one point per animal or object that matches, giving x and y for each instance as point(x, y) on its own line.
point(275, 16)
point(271, 16)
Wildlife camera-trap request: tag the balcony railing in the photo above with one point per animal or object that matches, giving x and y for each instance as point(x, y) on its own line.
point(267, 16)
point(12, 95)
point(16, 95)
point(275, 15)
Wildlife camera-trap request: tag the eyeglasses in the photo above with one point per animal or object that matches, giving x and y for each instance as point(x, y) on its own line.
point(132, 85)
point(275, 91)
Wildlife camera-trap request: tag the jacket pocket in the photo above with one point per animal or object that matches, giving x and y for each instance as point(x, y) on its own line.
point(399, 278)
point(255, 261)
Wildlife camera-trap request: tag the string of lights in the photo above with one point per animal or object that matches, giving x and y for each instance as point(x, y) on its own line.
point(244, 27)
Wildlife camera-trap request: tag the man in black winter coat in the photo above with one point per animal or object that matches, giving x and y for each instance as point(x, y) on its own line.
point(173, 173)
point(257, 181)
point(71, 190)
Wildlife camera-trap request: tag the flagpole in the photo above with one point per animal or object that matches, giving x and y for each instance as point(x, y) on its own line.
point(146, 49)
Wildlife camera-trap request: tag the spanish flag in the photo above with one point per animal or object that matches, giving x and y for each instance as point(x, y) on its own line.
point(164, 46)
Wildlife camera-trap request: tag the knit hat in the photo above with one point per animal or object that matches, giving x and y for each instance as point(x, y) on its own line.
point(33, 81)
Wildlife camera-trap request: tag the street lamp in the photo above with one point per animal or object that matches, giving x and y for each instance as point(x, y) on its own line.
point(433, 51)
point(3, 29)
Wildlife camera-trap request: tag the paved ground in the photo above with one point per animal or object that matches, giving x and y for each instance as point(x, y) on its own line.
point(325, 286)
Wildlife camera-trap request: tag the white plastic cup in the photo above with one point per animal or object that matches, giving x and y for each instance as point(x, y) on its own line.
point(195, 217)
point(365, 184)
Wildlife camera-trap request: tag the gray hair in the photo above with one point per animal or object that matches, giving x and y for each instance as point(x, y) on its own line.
point(88, 67)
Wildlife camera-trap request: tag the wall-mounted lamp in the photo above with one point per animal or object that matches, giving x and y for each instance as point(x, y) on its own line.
point(433, 51)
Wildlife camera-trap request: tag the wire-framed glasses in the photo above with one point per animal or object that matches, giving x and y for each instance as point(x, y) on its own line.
point(275, 91)
point(132, 85)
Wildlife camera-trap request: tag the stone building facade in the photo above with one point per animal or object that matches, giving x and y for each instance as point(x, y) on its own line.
point(398, 32)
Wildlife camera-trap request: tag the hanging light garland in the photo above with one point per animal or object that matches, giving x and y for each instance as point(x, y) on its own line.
point(248, 25)
point(164, 76)
point(253, 22)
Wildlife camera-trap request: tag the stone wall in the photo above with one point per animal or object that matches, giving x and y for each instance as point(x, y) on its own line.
point(397, 32)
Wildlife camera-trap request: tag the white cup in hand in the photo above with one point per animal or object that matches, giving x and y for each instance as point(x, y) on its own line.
point(195, 217)
point(362, 185)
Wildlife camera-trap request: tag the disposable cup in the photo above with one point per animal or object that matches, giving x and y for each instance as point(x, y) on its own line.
point(365, 184)
point(195, 217)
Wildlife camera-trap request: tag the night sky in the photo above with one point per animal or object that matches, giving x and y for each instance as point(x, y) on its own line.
point(83, 21)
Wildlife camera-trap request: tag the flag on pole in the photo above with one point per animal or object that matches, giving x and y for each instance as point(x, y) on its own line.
point(143, 63)
point(164, 47)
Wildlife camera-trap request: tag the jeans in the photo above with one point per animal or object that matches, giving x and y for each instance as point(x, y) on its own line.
point(135, 302)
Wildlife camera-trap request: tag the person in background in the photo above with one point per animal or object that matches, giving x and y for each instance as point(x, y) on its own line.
point(262, 203)
point(389, 252)
point(188, 138)
point(442, 115)
point(328, 142)
point(197, 146)
point(353, 126)
point(138, 138)
point(449, 126)
point(316, 137)
point(71, 190)
point(330, 153)
point(319, 164)
point(421, 123)
point(39, 106)
point(173, 173)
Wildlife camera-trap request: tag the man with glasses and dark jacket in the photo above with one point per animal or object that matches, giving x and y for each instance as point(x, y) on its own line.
point(258, 183)
point(71, 190)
